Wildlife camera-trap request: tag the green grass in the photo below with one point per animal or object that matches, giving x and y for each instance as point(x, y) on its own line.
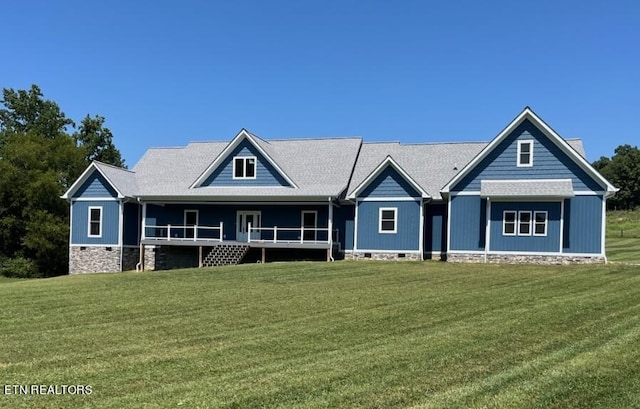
point(317, 335)
point(623, 236)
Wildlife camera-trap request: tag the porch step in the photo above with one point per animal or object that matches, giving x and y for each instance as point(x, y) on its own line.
point(225, 254)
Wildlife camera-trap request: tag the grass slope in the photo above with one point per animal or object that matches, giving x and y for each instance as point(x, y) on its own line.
point(317, 335)
point(623, 236)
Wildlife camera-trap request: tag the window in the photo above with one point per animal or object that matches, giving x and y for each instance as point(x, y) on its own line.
point(244, 167)
point(540, 223)
point(509, 223)
point(95, 222)
point(525, 153)
point(388, 220)
point(524, 223)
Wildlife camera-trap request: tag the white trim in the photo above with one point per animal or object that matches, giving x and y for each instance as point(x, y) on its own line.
point(487, 229)
point(184, 219)
point(239, 222)
point(144, 222)
point(384, 251)
point(315, 232)
point(520, 213)
point(243, 134)
point(515, 223)
point(89, 235)
point(545, 253)
point(250, 203)
point(83, 178)
point(604, 228)
point(421, 231)
point(245, 160)
point(546, 223)
point(121, 224)
point(395, 220)
point(330, 226)
point(587, 193)
point(95, 199)
point(388, 161)
point(527, 113)
point(465, 252)
point(465, 193)
point(449, 224)
point(561, 226)
point(390, 199)
point(355, 227)
point(70, 223)
point(519, 150)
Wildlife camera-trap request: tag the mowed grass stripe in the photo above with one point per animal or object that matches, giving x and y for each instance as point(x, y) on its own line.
point(329, 335)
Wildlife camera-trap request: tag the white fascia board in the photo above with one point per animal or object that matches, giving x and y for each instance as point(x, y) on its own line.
point(242, 135)
point(388, 161)
point(527, 113)
point(235, 199)
point(83, 178)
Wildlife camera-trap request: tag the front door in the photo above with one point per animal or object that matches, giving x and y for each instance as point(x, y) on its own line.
point(310, 223)
point(190, 220)
point(246, 217)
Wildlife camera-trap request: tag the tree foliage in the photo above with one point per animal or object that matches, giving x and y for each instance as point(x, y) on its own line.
point(39, 160)
point(623, 170)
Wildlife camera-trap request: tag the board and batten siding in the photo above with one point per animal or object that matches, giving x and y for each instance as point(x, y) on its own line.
point(435, 228)
point(389, 183)
point(531, 243)
point(110, 222)
point(467, 223)
point(95, 186)
point(266, 174)
point(407, 236)
point(549, 162)
point(583, 225)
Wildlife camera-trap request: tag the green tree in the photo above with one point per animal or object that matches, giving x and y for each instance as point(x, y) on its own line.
point(623, 170)
point(97, 142)
point(39, 160)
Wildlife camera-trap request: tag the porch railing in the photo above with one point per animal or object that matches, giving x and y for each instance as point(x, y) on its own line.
point(300, 234)
point(184, 233)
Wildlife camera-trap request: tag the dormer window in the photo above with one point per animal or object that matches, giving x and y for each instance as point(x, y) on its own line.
point(525, 153)
point(244, 167)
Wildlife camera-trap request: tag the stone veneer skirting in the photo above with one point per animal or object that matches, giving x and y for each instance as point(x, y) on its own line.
point(92, 259)
point(361, 255)
point(522, 258)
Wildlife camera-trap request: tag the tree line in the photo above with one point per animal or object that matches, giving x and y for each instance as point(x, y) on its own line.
point(42, 152)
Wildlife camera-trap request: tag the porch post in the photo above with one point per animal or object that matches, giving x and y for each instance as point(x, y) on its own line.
point(487, 232)
point(264, 251)
point(330, 227)
point(144, 221)
point(199, 256)
point(141, 257)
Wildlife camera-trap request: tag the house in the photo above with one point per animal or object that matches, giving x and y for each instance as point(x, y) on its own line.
point(526, 196)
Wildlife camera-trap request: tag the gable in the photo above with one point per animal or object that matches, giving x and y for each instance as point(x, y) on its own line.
point(389, 183)
point(549, 162)
point(95, 186)
point(265, 173)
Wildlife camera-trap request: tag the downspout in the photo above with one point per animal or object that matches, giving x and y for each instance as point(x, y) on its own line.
point(140, 260)
point(330, 225)
point(487, 231)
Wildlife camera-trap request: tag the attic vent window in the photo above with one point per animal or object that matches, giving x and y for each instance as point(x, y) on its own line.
point(525, 153)
point(244, 167)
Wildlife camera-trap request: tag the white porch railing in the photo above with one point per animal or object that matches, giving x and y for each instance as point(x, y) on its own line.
point(184, 233)
point(292, 234)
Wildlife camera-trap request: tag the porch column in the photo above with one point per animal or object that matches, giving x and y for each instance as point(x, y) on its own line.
point(330, 227)
point(487, 232)
point(144, 221)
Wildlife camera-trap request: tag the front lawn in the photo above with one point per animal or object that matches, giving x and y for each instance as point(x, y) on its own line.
point(317, 335)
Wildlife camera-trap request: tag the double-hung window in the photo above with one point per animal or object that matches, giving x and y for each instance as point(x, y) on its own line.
point(524, 223)
point(539, 223)
point(388, 220)
point(525, 154)
point(95, 221)
point(244, 167)
point(509, 223)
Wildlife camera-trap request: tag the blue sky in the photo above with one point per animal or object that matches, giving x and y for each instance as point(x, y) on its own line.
point(166, 73)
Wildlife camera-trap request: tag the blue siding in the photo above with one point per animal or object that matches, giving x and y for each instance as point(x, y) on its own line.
point(549, 162)
point(95, 186)
point(389, 183)
point(548, 243)
point(110, 222)
point(211, 215)
point(266, 174)
point(408, 227)
point(343, 221)
point(435, 228)
point(131, 223)
point(583, 224)
point(468, 223)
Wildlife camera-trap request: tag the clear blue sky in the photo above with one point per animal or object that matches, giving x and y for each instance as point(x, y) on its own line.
point(166, 73)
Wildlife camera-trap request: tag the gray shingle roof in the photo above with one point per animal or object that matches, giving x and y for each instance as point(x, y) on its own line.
point(527, 188)
point(430, 165)
point(123, 180)
point(319, 167)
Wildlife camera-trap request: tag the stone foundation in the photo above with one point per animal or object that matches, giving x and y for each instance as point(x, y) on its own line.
point(382, 256)
point(522, 259)
point(155, 258)
point(92, 259)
